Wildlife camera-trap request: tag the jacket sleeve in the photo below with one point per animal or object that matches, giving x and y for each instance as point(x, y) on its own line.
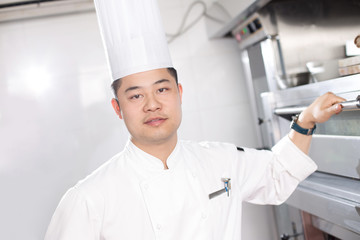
point(75, 218)
point(269, 177)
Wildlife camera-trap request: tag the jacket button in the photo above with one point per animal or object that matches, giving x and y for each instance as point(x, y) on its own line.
point(146, 186)
point(158, 227)
point(203, 215)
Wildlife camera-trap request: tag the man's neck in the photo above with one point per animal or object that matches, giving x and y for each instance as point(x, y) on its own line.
point(159, 150)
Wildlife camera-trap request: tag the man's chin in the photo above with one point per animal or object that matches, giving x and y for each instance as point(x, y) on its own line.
point(155, 139)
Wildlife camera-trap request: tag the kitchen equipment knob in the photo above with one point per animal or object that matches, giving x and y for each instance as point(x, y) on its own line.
point(257, 23)
point(286, 236)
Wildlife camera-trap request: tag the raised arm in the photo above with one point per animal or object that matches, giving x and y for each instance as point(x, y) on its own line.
point(318, 112)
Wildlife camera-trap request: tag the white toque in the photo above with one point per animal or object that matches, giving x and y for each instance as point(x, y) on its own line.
point(133, 36)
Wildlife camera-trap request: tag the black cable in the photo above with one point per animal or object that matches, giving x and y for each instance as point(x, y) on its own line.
point(17, 4)
point(183, 28)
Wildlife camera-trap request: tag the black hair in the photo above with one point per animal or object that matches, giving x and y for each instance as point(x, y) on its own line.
point(117, 83)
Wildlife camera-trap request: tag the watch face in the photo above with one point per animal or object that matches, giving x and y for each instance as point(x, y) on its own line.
point(295, 118)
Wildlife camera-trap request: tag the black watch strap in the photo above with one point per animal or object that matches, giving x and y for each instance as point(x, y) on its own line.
point(299, 129)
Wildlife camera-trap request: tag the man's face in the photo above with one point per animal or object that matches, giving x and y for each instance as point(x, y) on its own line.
point(150, 105)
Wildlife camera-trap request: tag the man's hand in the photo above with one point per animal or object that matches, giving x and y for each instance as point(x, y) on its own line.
point(318, 112)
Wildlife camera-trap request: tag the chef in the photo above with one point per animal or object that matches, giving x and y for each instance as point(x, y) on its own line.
point(160, 187)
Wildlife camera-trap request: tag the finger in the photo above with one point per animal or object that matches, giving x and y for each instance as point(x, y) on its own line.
point(337, 107)
point(339, 99)
point(331, 98)
point(335, 99)
point(331, 110)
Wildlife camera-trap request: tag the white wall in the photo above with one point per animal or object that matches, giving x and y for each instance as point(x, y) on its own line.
point(56, 120)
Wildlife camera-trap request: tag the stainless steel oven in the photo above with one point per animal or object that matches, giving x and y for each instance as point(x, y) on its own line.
point(282, 39)
point(332, 194)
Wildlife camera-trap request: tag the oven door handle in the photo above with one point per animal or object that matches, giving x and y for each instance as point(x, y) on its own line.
point(289, 110)
point(346, 106)
point(351, 105)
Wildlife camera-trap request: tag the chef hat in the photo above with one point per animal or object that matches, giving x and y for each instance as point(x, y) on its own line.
point(133, 36)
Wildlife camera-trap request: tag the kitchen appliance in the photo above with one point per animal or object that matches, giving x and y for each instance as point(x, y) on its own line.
point(227, 14)
point(332, 194)
point(263, 66)
point(281, 42)
point(282, 38)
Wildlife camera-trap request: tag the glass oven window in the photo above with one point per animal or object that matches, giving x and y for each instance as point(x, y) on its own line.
point(344, 124)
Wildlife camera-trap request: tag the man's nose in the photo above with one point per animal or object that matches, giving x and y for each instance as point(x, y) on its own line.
point(152, 104)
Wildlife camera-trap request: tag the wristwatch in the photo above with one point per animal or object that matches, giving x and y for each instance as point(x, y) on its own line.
point(299, 129)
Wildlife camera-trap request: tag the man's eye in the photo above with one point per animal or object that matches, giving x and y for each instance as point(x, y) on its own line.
point(136, 96)
point(161, 90)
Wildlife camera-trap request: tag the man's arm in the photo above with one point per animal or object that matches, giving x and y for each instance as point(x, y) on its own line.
point(318, 112)
point(74, 219)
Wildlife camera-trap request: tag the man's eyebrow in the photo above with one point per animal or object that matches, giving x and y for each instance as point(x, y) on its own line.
point(131, 88)
point(161, 81)
point(137, 87)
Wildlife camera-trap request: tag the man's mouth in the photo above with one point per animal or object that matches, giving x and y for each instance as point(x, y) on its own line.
point(155, 121)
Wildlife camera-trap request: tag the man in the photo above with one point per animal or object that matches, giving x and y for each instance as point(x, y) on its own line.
point(160, 187)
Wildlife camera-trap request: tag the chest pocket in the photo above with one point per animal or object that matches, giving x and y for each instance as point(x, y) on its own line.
point(221, 209)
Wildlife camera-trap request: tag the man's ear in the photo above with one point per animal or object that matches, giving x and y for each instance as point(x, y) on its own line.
point(180, 91)
point(116, 106)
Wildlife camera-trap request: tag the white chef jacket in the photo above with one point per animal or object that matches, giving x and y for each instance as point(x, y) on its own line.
point(132, 197)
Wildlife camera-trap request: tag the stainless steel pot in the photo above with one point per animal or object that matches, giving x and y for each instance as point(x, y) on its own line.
point(298, 79)
point(294, 80)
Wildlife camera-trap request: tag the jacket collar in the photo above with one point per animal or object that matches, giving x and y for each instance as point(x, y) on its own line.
point(145, 161)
